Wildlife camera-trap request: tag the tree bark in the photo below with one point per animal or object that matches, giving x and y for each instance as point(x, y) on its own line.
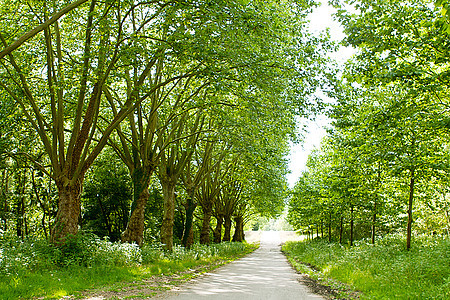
point(329, 229)
point(134, 231)
point(227, 226)
point(168, 188)
point(188, 231)
point(218, 230)
point(341, 230)
point(374, 221)
point(351, 225)
point(204, 234)
point(69, 209)
point(239, 230)
point(321, 226)
point(135, 227)
point(410, 205)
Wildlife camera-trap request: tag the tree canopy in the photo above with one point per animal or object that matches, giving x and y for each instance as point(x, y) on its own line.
point(167, 89)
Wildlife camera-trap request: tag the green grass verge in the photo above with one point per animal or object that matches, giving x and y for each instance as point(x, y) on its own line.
point(381, 271)
point(33, 269)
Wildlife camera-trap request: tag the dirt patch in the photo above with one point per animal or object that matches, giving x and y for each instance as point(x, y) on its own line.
point(328, 288)
point(317, 288)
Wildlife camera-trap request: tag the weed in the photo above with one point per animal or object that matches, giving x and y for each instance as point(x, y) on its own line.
point(384, 270)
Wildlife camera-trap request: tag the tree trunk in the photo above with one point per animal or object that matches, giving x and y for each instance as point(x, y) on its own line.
point(69, 209)
point(410, 205)
point(19, 218)
point(321, 226)
point(329, 229)
point(204, 234)
point(351, 226)
point(168, 188)
point(218, 230)
point(135, 227)
point(188, 231)
point(341, 230)
point(374, 221)
point(134, 231)
point(239, 230)
point(227, 226)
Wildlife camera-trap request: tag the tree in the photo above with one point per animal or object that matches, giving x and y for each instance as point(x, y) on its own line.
point(58, 80)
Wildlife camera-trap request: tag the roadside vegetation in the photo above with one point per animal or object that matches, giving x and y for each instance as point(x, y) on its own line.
point(385, 270)
point(34, 268)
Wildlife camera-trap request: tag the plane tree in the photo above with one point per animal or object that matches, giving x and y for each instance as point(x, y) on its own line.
point(58, 79)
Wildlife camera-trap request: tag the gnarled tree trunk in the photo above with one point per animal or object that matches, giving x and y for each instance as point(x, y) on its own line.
point(218, 230)
point(135, 227)
point(188, 231)
point(239, 230)
point(207, 213)
point(168, 188)
point(69, 210)
point(227, 226)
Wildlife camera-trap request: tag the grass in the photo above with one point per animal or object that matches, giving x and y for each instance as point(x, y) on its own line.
point(381, 271)
point(34, 269)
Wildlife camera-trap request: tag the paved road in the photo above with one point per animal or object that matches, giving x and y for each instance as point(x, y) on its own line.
point(264, 274)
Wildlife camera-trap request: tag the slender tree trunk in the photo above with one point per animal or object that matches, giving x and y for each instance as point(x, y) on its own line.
point(321, 226)
point(207, 213)
point(218, 230)
point(329, 229)
point(168, 188)
point(38, 198)
point(448, 221)
point(341, 230)
point(188, 231)
point(227, 226)
point(4, 192)
point(374, 221)
point(134, 232)
point(19, 219)
point(351, 226)
point(69, 209)
point(410, 205)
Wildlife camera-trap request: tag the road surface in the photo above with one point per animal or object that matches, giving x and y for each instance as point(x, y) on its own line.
point(264, 274)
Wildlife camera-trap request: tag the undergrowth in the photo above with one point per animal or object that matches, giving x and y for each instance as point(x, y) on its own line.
point(385, 270)
point(33, 268)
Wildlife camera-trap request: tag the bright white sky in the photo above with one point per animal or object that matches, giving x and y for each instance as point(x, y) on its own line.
point(320, 19)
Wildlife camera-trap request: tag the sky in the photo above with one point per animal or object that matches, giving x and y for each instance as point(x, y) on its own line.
point(320, 19)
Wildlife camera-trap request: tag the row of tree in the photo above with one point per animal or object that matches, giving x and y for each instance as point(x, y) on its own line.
point(384, 163)
point(201, 95)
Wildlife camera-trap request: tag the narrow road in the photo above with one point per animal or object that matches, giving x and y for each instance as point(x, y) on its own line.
point(264, 274)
